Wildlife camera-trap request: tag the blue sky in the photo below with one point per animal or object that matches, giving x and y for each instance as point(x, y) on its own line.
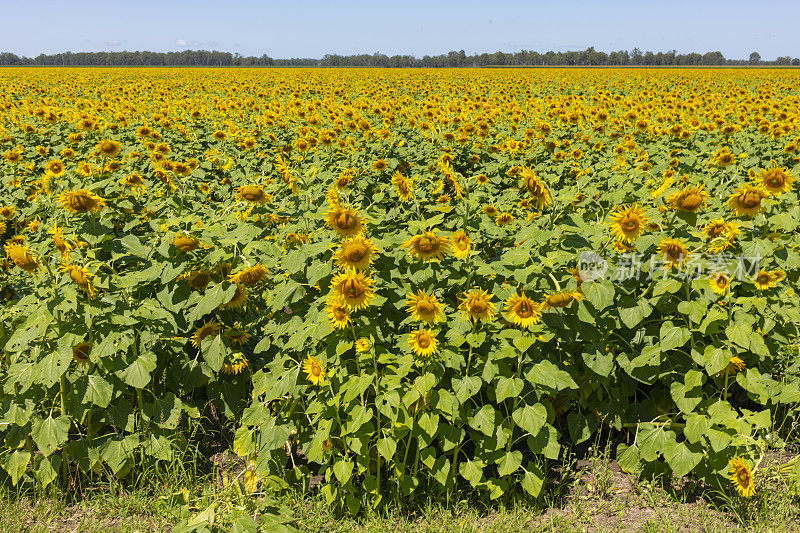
point(310, 28)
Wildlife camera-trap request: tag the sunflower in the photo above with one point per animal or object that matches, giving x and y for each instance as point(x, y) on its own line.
point(523, 311)
point(734, 365)
point(250, 276)
point(775, 180)
point(747, 200)
point(719, 283)
point(422, 342)
point(741, 477)
point(80, 352)
point(561, 299)
point(689, 199)
point(81, 201)
point(379, 166)
point(238, 299)
point(338, 314)
point(476, 305)
point(403, 186)
point(236, 335)
point(628, 222)
point(353, 288)
point(424, 307)
point(108, 148)
point(344, 221)
point(778, 275)
point(252, 193)
point(185, 243)
point(622, 247)
point(234, 363)
point(534, 186)
point(723, 157)
point(673, 252)
point(81, 277)
point(198, 279)
point(764, 280)
point(355, 252)
point(503, 219)
point(133, 181)
point(428, 246)
point(55, 167)
point(460, 244)
point(208, 329)
point(363, 344)
point(314, 370)
point(20, 254)
point(490, 210)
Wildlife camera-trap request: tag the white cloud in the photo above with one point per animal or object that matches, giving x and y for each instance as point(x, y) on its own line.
point(180, 42)
point(113, 43)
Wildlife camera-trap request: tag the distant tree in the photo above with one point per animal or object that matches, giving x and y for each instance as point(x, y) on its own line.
point(796, 62)
point(755, 57)
point(784, 60)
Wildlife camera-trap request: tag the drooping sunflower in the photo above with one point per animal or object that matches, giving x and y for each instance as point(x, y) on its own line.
point(723, 157)
point(80, 352)
point(81, 201)
point(21, 256)
point(185, 243)
point(81, 276)
point(108, 148)
point(428, 246)
point(778, 275)
point(379, 165)
point(741, 477)
point(477, 305)
point(239, 298)
point(734, 365)
point(460, 244)
point(63, 246)
point(251, 275)
point(355, 252)
point(719, 282)
point(689, 199)
point(747, 200)
point(133, 181)
point(503, 219)
point(234, 363)
point(354, 288)
point(252, 193)
point(314, 371)
point(198, 279)
point(345, 221)
point(338, 314)
point(673, 252)
point(561, 299)
point(403, 186)
point(424, 307)
point(523, 311)
point(628, 222)
point(7, 212)
point(422, 342)
point(535, 188)
point(208, 329)
point(236, 335)
point(774, 179)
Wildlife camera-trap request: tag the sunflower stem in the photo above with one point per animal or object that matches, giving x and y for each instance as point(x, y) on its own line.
point(64, 455)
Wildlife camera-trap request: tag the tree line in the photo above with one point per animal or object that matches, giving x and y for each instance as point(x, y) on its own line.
point(205, 58)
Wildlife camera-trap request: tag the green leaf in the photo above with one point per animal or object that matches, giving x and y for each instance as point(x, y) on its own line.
point(632, 316)
point(387, 447)
point(15, 464)
point(218, 295)
point(50, 433)
point(599, 293)
point(672, 336)
point(715, 359)
point(533, 480)
point(508, 388)
point(484, 420)
point(580, 426)
point(98, 391)
point(472, 471)
point(214, 352)
point(628, 458)
point(343, 470)
point(667, 285)
point(509, 463)
point(739, 334)
point(684, 457)
point(696, 427)
point(531, 418)
point(138, 374)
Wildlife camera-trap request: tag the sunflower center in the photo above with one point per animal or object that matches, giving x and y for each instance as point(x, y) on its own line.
point(477, 306)
point(673, 251)
point(345, 221)
point(425, 308)
point(340, 313)
point(525, 309)
point(316, 369)
point(356, 252)
point(631, 224)
point(423, 340)
point(751, 199)
point(691, 201)
point(775, 181)
point(427, 244)
point(352, 288)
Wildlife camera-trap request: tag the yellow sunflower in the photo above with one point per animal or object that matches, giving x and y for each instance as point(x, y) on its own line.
point(523, 311)
point(252, 193)
point(673, 252)
point(62, 245)
point(239, 298)
point(734, 365)
point(338, 314)
point(428, 246)
point(747, 200)
point(355, 252)
point(208, 329)
point(21, 256)
point(344, 221)
point(314, 371)
point(422, 342)
point(424, 307)
point(689, 199)
point(741, 477)
point(185, 243)
point(561, 299)
point(250, 276)
point(198, 279)
point(764, 280)
point(363, 344)
point(354, 288)
point(81, 201)
point(55, 167)
point(774, 179)
point(460, 244)
point(477, 305)
point(403, 186)
point(108, 148)
point(719, 283)
point(503, 219)
point(81, 276)
point(234, 363)
point(236, 335)
point(628, 222)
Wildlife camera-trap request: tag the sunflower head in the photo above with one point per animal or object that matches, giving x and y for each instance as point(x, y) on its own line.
point(81, 277)
point(208, 329)
point(628, 222)
point(251, 275)
point(460, 244)
point(338, 314)
point(774, 180)
point(185, 243)
point(477, 305)
point(561, 299)
point(764, 280)
point(80, 352)
point(108, 148)
point(355, 252)
point(422, 342)
point(314, 370)
point(523, 311)
point(252, 193)
point(237, 336)
point(719, 283)
point(424, 307)
point(239, 298)
point(403, 186)
point(353, 288)
point(673, 252)
point(81, 201)
point(344, 221)
point(747, 200)
point(428, 246)
point(21, 256)
point(689, 199)
point(234, 363)
point(741, 477)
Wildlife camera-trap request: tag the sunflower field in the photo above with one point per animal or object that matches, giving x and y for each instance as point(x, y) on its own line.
point(399, 280)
